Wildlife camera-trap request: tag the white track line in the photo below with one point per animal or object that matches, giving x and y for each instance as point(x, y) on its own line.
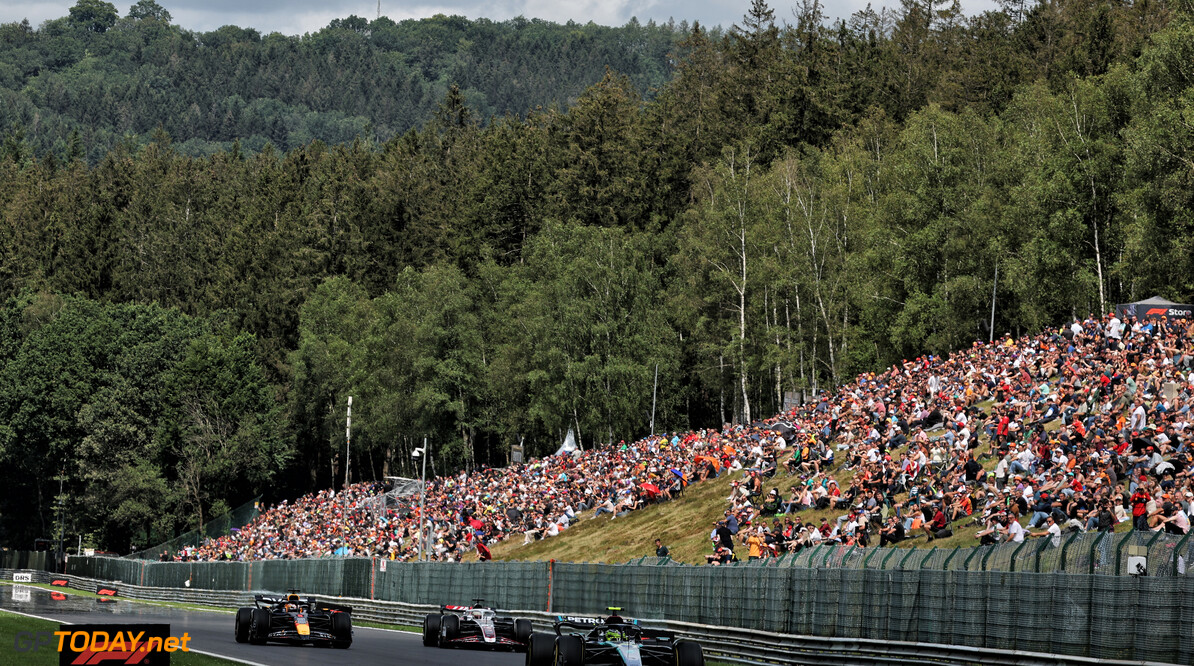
point(36, 617)
point(202, 652)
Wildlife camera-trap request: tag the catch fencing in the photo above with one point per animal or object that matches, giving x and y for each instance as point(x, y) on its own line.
point(1080, 552)
point(216, 527)
point(1141, 618)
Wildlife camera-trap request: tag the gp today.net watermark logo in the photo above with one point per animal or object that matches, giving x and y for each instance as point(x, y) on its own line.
point(110, 644)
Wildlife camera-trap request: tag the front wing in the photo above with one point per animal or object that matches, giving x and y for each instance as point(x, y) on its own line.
point(609, 654)
point(291, 635)
point(471, 635)
point(284, 630)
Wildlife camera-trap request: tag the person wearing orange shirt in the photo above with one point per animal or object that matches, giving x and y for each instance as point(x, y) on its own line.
point(754, 544)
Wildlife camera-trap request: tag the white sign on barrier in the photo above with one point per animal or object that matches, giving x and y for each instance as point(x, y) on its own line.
point(22, 593)
point(383, 565)
point(22, 578)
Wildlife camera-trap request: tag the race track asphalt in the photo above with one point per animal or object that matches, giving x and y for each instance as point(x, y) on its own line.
point(211, 633)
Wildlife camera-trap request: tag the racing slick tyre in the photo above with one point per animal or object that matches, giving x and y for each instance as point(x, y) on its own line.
point(541, 649)
point(689, 654)
point(570, 651)
point(449, 629)
point(522, 630)
point(259, 626)
point(341, 631)
point(431, 630)
point(244, 617)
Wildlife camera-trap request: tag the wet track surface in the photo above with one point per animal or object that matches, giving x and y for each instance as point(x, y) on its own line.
point(211, 632)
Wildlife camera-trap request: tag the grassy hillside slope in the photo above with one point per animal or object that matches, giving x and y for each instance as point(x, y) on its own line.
point(685, 524)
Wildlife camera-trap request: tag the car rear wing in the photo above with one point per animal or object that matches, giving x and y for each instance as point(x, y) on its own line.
point(585, 621)
point(328, 606)
point(271, 599)
point(582, 624)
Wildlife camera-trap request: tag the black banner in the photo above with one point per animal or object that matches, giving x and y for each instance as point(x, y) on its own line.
point(106, 590)
point(1144, 311)
point(114, 644)
point(60, 582)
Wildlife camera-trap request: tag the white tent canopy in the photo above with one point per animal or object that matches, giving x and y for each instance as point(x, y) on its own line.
point(569, 446)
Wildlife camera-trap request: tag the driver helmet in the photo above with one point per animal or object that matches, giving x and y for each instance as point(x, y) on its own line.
point(290, 608)
point(613, 635)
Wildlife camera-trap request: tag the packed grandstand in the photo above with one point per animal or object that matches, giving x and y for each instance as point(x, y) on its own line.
point(1086, 424)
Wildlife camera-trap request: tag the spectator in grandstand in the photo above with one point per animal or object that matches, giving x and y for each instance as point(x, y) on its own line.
point(938, 526)
point(892, 532)
point(1052, 530)
point(660, 549)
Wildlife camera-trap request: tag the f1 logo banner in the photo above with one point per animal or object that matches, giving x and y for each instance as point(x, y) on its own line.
point(113, 644)
point(106, 591)
point(60, 582)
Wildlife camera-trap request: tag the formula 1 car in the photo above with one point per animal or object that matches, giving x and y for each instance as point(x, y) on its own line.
point(295, 620)
point(475, 626)
point(610, 641)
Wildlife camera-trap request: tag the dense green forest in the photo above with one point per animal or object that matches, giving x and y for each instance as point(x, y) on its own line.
point(106, 77)
point(795, 205)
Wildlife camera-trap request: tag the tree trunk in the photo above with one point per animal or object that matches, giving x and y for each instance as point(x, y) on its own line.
point(742, 329)
point(576, 418)
point(721, 371)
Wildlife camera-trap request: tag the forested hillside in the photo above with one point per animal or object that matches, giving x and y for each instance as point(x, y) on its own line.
point(797, 204)
point(106, 76)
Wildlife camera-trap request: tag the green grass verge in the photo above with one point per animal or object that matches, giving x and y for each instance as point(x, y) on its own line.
point(11, 624)
point(383, 625)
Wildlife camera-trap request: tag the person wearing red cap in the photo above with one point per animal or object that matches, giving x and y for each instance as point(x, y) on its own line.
point(1139, 502)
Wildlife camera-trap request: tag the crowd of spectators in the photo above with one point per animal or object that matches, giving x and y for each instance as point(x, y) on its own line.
point(1081, 428)
point(1084, 427)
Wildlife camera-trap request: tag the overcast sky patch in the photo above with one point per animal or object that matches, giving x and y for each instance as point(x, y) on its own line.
point(293, 17)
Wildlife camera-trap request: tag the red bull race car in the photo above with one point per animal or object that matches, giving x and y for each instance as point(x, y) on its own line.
point(295, 620)
point(475, 626)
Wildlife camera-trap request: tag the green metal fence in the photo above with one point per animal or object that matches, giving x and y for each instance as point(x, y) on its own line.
point(214, 528)
point(929, 596)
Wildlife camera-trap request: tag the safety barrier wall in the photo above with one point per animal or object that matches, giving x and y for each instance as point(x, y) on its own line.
point(1090, 615)
point(730, 644)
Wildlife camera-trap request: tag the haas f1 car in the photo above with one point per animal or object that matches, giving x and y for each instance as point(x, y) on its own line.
point(295, 620)
point(475, 626)
point(610, 641)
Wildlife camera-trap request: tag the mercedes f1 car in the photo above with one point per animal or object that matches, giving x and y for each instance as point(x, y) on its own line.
point(610, 641)
point(475, 626)
point(295, 620)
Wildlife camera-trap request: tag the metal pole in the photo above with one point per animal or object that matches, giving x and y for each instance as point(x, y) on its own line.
point(423, 505)
point(654, 392)
point(59, 565)
point(994, 286)
point(347, 440)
